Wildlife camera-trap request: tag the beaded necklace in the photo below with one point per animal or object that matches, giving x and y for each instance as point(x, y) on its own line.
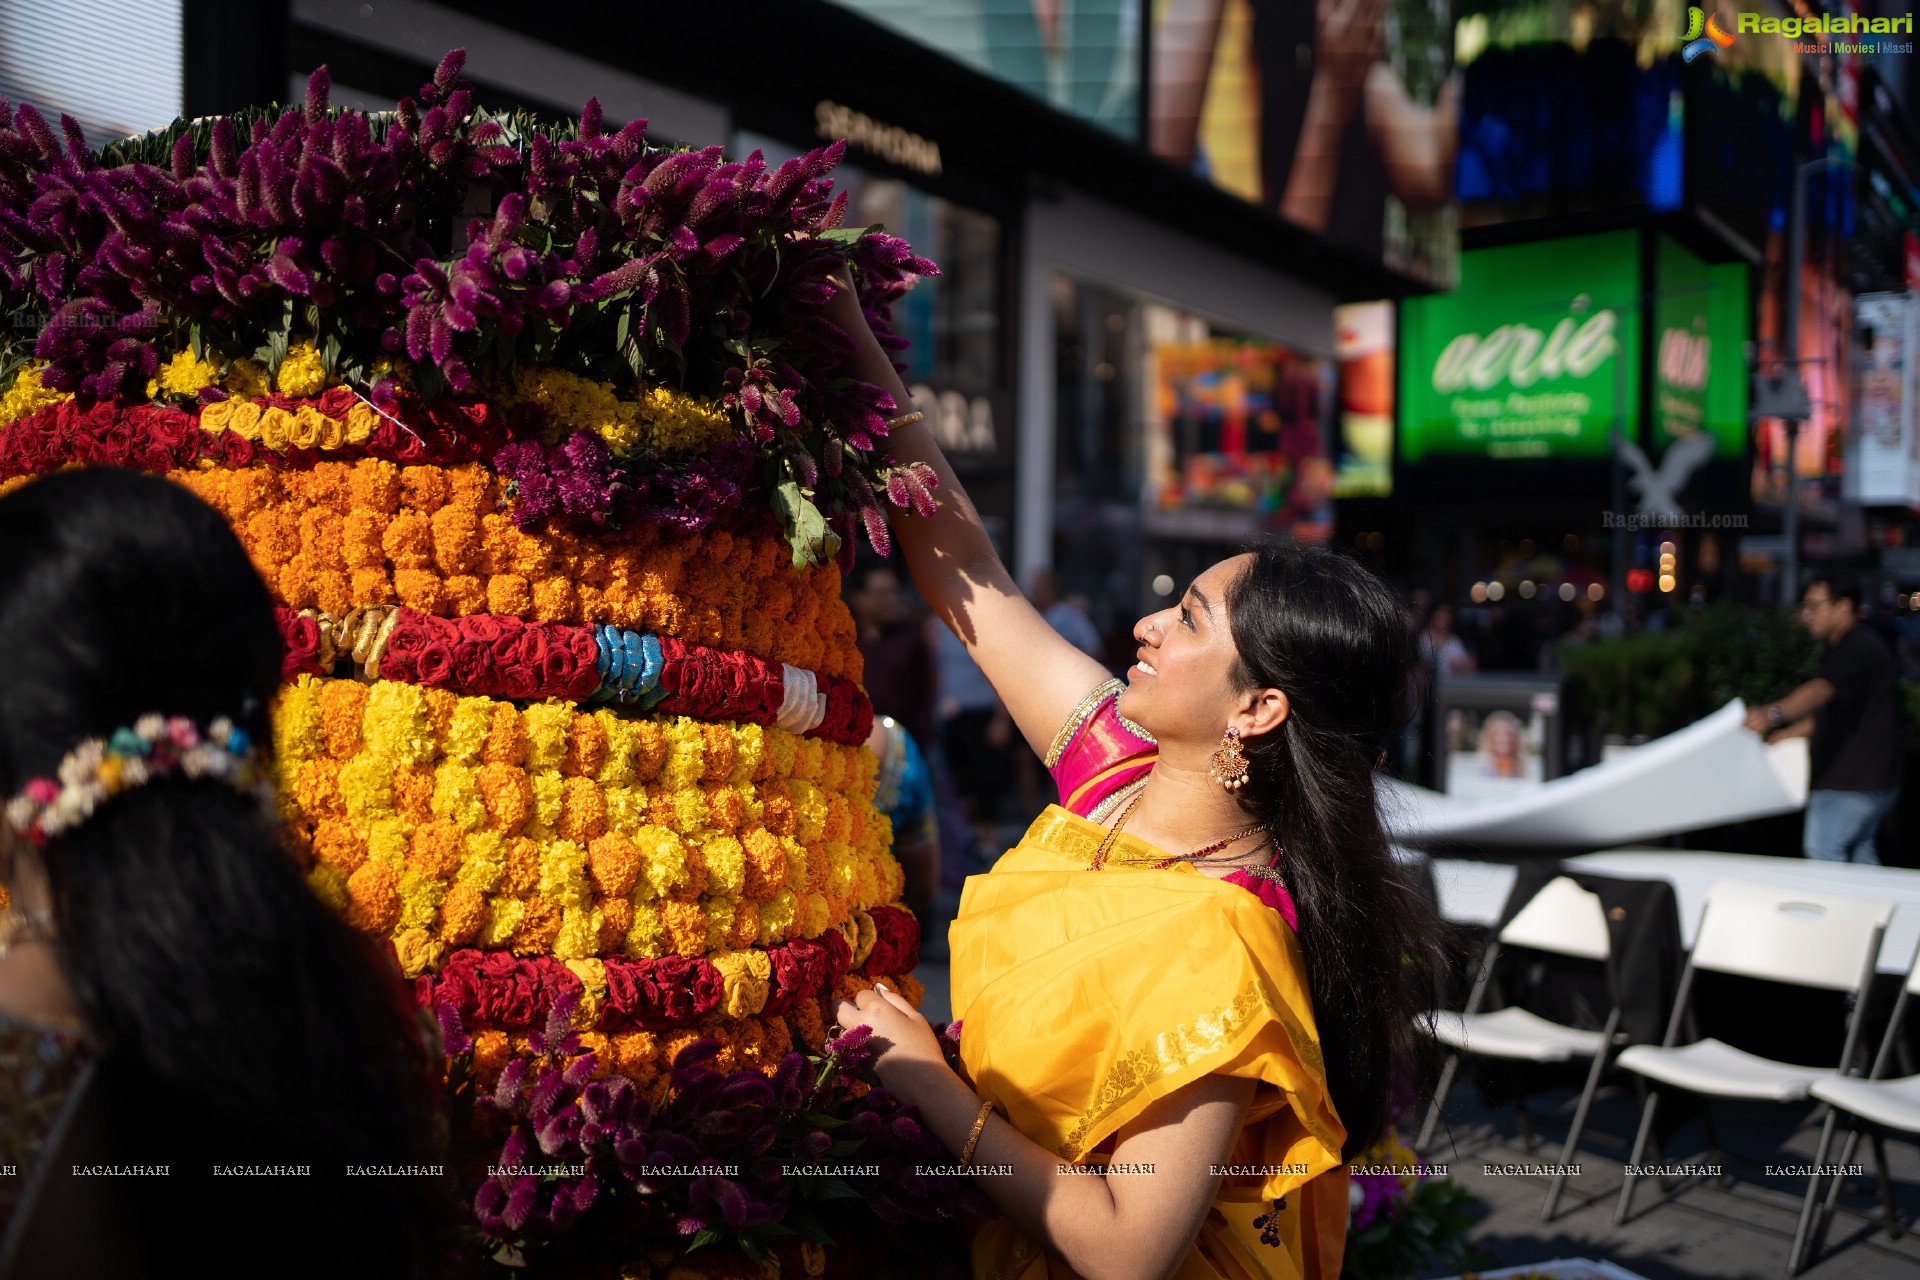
point(1113, 833)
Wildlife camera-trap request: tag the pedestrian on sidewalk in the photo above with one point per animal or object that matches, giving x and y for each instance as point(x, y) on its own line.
point(1849, 712)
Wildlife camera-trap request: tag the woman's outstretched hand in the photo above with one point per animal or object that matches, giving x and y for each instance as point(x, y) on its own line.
point(905, 1037)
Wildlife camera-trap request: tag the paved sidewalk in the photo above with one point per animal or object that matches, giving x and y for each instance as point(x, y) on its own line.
point(1700, 1230)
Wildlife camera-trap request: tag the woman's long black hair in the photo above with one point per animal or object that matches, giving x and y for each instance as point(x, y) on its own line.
point(1316, 624)
point(239, 1020)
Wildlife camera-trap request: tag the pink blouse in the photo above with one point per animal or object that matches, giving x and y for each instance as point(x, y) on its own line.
point(1100, 761)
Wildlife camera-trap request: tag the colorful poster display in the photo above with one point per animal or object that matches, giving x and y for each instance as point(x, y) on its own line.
point(1240, 425)
point(1700, 380)
point(1340, 124)
point(1363, 355)
point(1535, 356)
point(1885, 467)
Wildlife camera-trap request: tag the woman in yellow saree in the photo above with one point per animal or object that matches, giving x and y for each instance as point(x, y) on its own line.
point(1184, 995)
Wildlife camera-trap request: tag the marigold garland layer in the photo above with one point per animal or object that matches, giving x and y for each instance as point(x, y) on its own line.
point(660, 421)
point(346, 535)
point(444, 821)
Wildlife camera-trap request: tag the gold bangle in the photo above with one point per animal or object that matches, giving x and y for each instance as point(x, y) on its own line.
point(973, 1139)
point(905, 420)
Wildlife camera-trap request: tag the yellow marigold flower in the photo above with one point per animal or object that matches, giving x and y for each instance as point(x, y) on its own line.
point(397, 725)
point(679, 423)
point(593, 990)
point(184, 375)
point(485, 862)
point(302, 373)
point(719, 913)
point(503, 918)
point(777, 918)
point(27, 394)
point(563, 875)
point(647, 939)
point(467, 732)
point(663, 859)
point(296, 721)
point(366, 786)
point(549, 793)
point(686, 758)
point(456, 796)
point(818, 913)
point(726, 865)
point(420, 899)
point(547, 724)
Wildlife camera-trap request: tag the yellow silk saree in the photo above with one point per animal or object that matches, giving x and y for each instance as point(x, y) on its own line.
point(1085, 996)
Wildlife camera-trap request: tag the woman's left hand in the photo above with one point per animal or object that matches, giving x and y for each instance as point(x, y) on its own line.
point(904, 1035)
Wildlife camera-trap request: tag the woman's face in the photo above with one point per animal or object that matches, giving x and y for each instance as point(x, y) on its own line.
point(1179, 687)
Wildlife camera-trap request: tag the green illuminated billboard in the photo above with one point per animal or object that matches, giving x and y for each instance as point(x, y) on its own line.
point(1531, 357)
point(1699, 365)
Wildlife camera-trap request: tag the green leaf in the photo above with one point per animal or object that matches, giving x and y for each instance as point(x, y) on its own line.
point(848, 235)
point(821, 1120)
point(806, 529)
point(703, 1237)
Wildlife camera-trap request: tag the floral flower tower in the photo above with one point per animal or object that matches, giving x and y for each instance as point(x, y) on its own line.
point(541, 441)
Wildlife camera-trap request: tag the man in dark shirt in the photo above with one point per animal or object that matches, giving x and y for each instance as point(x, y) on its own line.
point(1848, 709)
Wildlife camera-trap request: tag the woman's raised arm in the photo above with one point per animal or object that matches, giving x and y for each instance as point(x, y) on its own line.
point(1039, 675)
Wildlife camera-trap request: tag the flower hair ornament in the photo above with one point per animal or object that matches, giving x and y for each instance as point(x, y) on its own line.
point(99, 769)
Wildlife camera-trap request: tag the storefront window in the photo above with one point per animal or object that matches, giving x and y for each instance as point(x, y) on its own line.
point(1202, 438)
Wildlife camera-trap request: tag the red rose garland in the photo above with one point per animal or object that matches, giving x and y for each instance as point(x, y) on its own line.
point(496, 990)
point(498, 656)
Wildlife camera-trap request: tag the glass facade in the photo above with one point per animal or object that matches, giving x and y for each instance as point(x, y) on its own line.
point(1083, 56)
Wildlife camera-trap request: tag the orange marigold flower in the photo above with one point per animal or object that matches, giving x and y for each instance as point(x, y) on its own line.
point(686, 926)
point(586, 747)
point(509, 594)
point(373, 899)
point(537, 929)
point(424, 487)
point(583, 811)
point(461, 914)
point(616, 917)
point(340, 845)
point(316, 788)
point(507, 741)
point(342, 705)
point(435, 850)
point(523, 868)
point(615, 866)
point(413, 792)
point(491, 1050)
point(419, 589)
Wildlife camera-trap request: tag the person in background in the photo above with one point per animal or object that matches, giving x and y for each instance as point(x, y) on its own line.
point(976, 734)
point(171, 991)
point(903, 791)
point(1848, 710)
point(899, 675)
point(1442, 652)
point(1064, 616)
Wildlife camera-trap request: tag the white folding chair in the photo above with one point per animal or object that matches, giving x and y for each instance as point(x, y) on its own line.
point(1873, 1103)
point(1776, 935)
point(1564, 919)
